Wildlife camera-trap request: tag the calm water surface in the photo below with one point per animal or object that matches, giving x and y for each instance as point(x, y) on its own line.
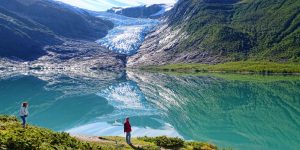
point(240, 111)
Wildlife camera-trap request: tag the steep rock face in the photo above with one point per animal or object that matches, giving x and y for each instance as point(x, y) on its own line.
point(60, 19)
point(157, 48)
point(214, 31)
point(27, 26)
point(152, 11)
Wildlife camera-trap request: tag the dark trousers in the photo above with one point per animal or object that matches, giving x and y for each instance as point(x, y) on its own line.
point(128, 137)
point(23, 121)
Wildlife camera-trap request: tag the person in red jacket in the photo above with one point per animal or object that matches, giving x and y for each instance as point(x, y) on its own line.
point(127, 130)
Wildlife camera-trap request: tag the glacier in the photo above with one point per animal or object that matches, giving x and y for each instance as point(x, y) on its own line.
point(128, 34)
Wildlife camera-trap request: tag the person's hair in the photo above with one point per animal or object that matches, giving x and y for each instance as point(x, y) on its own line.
point(126, 119)
point(24, 104)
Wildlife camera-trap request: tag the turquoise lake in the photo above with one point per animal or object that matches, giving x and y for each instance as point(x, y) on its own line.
point(232, 111)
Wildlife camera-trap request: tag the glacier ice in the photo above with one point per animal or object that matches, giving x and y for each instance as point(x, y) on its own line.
point(128, 34)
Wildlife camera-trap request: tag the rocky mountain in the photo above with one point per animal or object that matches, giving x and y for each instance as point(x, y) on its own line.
point(152, 11)
point(71, 56)
point(23, 38)
point(28, 26)
point(215, 31)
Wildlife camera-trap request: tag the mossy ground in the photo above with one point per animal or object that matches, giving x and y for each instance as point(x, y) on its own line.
point(13, 136)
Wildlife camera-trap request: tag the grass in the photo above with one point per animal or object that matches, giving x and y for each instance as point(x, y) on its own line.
point(235, 76)
point(263, 67)
point(13, 136)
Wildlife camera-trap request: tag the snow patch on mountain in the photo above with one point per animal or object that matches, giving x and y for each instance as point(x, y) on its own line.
point(164, 9)
point(103, 5)
point(116, 9)
point(128, 34)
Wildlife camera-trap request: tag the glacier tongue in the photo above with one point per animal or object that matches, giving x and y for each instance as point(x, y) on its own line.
point(127, 35)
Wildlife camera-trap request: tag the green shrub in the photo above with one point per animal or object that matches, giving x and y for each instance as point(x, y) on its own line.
point(7, 118)
point(166, 142)
point(201, 146)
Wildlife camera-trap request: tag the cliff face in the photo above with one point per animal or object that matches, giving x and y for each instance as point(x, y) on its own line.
point(214, 31)
point(27, 26)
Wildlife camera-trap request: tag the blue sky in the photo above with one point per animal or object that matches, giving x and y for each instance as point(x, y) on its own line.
point(102, 5)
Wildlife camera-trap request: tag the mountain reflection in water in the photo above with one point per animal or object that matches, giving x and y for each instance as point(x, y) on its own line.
point(260, 113)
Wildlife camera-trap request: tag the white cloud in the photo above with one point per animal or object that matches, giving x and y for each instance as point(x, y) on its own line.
point(102, 5)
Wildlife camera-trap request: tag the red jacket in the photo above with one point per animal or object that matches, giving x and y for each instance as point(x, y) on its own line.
point(127, 127)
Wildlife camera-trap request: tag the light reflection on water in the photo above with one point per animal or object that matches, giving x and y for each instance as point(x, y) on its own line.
point(103, 128)
point(256, 113)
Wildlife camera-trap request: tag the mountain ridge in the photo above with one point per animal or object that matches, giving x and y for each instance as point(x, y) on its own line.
point(28, 26)
point(154, 11)
point(214, 31)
